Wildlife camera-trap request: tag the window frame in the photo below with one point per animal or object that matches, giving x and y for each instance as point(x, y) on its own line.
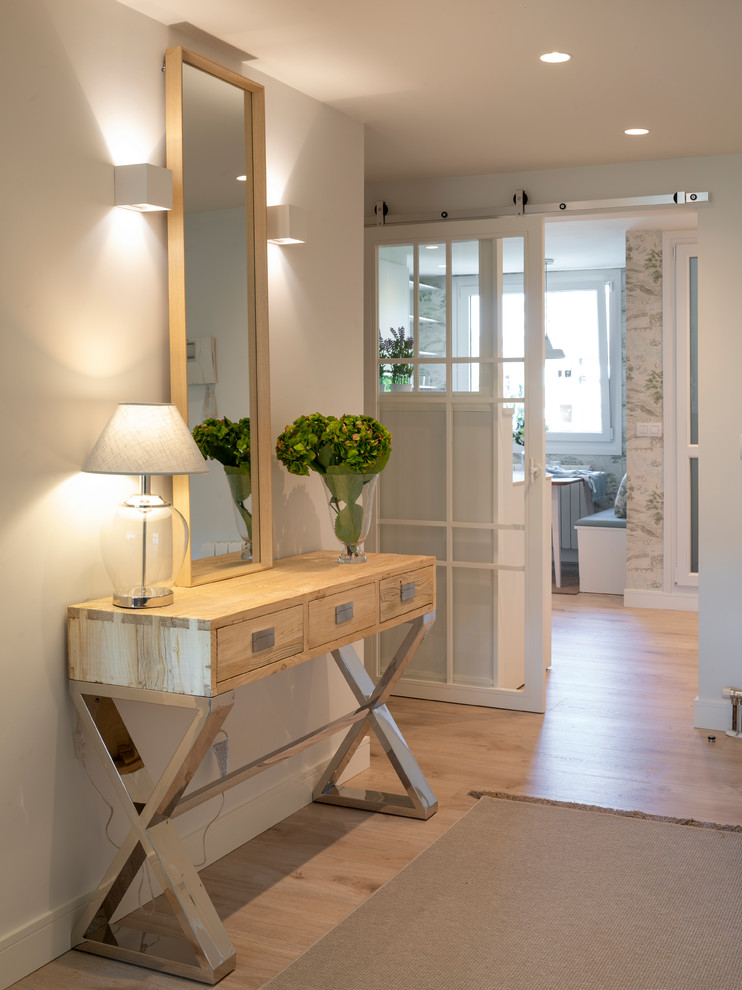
point(610, 440)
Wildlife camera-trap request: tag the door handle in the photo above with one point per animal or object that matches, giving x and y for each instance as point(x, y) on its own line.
point(534, 469)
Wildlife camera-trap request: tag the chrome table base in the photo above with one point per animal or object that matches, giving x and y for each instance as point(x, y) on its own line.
point(205, 952)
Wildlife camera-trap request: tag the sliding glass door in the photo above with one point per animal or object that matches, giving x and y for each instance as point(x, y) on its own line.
point(455, 371)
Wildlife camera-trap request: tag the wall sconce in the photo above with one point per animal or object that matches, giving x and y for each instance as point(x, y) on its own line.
point(145, 543)
point(144, 188)
point(286, 225)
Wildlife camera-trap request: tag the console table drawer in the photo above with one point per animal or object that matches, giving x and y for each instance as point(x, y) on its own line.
point(406, 592)
point(338, 615)
point(254, 643)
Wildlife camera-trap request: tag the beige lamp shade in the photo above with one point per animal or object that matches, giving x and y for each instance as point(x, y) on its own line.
point(145, 438)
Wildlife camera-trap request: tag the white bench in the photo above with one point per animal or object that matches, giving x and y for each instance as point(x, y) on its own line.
point(601, 552)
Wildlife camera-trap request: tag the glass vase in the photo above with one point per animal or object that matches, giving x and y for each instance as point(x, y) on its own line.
point(351, 500)
point(240, 487)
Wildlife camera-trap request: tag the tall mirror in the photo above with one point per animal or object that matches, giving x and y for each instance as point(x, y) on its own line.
point(218, 312)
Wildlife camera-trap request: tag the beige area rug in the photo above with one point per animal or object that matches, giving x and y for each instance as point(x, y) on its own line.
point(522, 895)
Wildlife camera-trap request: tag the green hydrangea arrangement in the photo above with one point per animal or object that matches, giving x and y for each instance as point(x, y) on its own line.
point(330, 445)
point(349, 453)
point(224, 441)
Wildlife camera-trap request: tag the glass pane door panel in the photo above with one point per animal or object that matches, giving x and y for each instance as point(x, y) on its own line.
point(513, 343)
point(693, 341)
point(425, 540)
point(489, 546)
point(694, 515)
point(474, 599)
point(396, 319)
point(396, 271)
point(473, 443)
point(477, 379)
point(429, 663)
point(465, 313)
point(513, 380)
point(432, 378)
point(474, 546)
point(418, 452)
point(432, 299)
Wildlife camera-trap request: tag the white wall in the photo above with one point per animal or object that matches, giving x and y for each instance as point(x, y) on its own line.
point(720, 358)
point(83, 321)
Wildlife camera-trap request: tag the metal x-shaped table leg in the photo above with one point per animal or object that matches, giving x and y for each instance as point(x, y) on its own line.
point(206, 954)
point(419, 801)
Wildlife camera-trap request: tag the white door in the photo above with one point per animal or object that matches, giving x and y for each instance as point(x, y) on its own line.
point(455, 369)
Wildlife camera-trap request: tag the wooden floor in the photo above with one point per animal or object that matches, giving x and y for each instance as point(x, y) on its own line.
point(617, 732)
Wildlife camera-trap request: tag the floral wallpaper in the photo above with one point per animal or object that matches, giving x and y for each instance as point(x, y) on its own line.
point(644, 393)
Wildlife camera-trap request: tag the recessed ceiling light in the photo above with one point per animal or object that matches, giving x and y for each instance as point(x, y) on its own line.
point(555, 57)
point(241, 178)
point(432, 247)
point(636, 130)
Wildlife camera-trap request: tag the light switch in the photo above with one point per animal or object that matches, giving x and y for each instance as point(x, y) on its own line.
point(649, 429)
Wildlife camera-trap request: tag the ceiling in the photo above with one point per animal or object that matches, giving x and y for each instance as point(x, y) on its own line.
point(458, 89)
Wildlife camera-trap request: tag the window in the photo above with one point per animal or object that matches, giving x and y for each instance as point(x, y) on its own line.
point(583, 361)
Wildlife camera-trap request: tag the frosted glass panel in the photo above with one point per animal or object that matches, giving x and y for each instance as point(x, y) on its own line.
point(429, 663)
point(482, 546)
point(475, 546)
point(694, 515)
point(473, 476)
point(418, 454)
point(473, 603)
point(429, 540)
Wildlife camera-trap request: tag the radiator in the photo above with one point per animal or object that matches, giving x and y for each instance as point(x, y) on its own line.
point(575, 501)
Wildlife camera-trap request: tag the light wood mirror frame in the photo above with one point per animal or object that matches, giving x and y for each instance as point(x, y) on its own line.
point(209, 569)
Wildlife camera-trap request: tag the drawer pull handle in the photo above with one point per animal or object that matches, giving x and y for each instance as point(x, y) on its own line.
point(343, 613)
point(408, 591)
point(263, 640)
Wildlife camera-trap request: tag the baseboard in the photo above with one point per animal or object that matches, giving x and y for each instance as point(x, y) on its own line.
point(711, 714)
point(35, 944)
point(647, 598)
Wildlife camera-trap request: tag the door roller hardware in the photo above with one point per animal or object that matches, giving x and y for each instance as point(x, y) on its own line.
point(521, 206)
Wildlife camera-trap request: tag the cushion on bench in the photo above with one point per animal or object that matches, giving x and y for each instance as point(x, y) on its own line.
point(607, 519)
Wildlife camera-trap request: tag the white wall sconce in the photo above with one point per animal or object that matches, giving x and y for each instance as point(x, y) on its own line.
point(144, 188)
point(286, 224)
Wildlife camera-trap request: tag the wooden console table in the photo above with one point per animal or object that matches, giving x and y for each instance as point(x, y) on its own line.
point(192, 655)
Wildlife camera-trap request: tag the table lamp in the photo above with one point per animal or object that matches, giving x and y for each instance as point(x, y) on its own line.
point(145, 543)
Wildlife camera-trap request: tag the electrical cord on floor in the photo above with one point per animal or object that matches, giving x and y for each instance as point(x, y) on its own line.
point(221, 752)
point(145, 873)
point(116, 845)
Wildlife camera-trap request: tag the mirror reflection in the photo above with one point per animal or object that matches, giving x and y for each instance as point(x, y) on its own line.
point(215, 116)
point(218, 329)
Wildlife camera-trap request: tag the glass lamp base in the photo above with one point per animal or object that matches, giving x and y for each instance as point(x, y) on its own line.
point(143, 597)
